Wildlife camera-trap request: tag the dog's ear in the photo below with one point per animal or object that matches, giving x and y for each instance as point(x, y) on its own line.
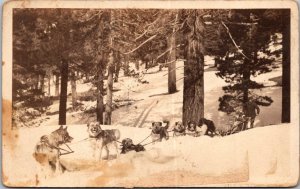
point(88, 124)
point(160, 124)
point(61, 127)
point(176, 123)
point(65, 128)
point(153, 124)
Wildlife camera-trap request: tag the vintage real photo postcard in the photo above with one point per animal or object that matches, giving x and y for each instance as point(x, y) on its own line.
point(150, 93)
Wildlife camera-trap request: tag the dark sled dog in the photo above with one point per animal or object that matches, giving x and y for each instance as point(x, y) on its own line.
point(159, 132)
point(47, 150)
point(103, 137)
point(211, 128)
point(127, 146)
point(179, 129)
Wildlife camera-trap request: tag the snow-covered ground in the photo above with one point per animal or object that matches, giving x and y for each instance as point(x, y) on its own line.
point(247, 158)
point(151, 101)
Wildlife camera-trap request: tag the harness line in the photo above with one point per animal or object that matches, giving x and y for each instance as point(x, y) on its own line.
point(144, 139)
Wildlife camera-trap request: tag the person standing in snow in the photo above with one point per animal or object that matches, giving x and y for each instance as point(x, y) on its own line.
point(250, 109)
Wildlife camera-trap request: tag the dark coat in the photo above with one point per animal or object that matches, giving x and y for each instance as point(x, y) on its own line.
point(251, 109)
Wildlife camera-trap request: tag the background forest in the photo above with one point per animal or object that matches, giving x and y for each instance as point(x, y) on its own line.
point(130, 66)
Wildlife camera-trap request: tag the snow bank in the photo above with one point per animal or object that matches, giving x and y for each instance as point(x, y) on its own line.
point(247, 158)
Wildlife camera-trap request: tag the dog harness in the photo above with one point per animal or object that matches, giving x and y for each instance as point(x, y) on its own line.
point(44, 140)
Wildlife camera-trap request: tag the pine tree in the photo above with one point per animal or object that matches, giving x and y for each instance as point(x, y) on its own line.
point(249, 34)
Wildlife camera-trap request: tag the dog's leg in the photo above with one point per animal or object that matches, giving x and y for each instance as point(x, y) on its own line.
point(107, 151)
point(94, 148)
point(117, 151)
point(100, 155)
point(58, 166)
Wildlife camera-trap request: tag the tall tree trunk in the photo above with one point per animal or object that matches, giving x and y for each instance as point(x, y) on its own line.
point(37, 81)
point(110, 68)
point(172, 76)
point(109, 88)
point(286, 67)
point(73, 87)
point(42, 87)
point(126, 66)
point(252, 54)
point(49, 85)
point(246, 80)
point(100, 90)
point(57, 84)
point(100, 94)
point(172, 66)
point(63, 93)
point(193, 88)
point(137, 65)
point(117, 61)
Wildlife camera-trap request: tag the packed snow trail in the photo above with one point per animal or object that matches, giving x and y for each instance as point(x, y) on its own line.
point(141, 119)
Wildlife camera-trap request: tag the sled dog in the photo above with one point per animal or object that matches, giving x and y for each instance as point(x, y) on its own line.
point(104, 138)
point(179, 129)
point(159, 132)
point(211, 129)
point(127, 146)
point(47, 150)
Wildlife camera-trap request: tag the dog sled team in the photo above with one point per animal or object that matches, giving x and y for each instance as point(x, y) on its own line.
point(48, 150)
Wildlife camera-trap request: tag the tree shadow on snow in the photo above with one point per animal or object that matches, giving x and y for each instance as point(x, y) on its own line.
point(162, 94)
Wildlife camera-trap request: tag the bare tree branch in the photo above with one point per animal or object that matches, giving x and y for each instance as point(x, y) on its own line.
point(241, 23)
point(167, 62)
point(121, 41)
point(122, 21)
point(180, 78)
point(141, 35)
point(174, 69)
point(95, 15)
point(233, 41)
point(149, 39)
point(169, 49)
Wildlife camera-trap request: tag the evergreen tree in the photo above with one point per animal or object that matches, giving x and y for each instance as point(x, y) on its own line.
point(249, 34)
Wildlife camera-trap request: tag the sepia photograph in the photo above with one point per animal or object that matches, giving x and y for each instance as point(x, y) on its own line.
point(150, 94)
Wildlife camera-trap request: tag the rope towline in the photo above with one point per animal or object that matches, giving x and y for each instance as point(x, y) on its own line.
point(151, 142)
point(79, 141)
point(145, 139)
point(69, 151)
